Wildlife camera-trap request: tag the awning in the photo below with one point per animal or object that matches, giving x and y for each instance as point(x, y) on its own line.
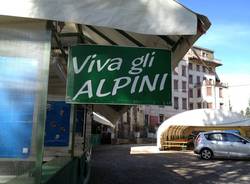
point(100, 119)
point(139, 23)
point(159, 24)
point(156, 17)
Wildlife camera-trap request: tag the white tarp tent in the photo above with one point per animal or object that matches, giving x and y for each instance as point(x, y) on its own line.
point(100, 119)
point(202, 118)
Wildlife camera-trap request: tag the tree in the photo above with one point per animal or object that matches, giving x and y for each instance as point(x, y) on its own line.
point(247, 112)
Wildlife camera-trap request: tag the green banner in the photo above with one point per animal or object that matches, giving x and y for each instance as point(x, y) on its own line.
point(118, 75)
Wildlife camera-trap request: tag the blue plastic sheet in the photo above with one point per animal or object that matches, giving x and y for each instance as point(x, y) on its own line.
point(18, 78)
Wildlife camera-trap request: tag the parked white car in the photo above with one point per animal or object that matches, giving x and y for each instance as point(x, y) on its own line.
point(221, 144)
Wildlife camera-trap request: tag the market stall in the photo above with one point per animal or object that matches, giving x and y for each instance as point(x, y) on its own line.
point(34, 48)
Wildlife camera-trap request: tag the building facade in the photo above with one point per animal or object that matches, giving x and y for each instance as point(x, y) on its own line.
point(195, 85)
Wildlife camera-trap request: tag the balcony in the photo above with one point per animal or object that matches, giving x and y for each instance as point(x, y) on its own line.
point(207, 59)
point(221, 84)
point(198, 84)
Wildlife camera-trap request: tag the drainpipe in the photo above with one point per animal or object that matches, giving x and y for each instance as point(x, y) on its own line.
point(215, 94)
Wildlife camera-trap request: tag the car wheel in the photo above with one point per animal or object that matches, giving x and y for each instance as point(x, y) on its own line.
point(206, 154)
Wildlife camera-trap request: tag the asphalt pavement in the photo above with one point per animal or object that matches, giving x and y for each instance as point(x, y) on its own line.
point(135, 164)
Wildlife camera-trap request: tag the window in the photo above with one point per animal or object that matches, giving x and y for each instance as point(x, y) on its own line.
point(198, 92)
point(190, 66)
point(190, 79)
point(211, 70)
point(210, 105)
point(198, 68)
point(221, 105)
point(176, 103)
point(184, 86)
point(146, 119)
point(153, 120)
point(161, 117)
point(198, 80)
point(190, 93)
point(210, 82)
point(215, 137)
point(220, 93)
point(176, 85)
point(184, 103)
point(204, 78)
point(183, 69)
point(204, 54)
point(209, 91)
point(233, 138)
point(204, 69)
point(204, 104)
point(199, 105)
point(191, 106)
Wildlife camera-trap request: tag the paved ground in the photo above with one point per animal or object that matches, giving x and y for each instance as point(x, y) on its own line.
point(116, 165)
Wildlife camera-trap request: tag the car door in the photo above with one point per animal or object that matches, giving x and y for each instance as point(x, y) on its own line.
point(239, 147)
point(218, 144)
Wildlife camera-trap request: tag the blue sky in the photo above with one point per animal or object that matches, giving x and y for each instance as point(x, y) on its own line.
point(229, 35)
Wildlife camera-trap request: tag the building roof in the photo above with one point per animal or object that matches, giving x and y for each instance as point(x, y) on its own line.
point(202, 59)
point(202, 48)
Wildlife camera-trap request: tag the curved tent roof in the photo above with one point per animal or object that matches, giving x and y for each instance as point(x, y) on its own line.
point(202, 117)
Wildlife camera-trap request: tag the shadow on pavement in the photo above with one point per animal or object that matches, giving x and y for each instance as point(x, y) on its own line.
point(115, 165)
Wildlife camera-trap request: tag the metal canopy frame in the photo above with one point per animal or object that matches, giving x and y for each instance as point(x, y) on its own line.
point(89, 34)
point(82, 34)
